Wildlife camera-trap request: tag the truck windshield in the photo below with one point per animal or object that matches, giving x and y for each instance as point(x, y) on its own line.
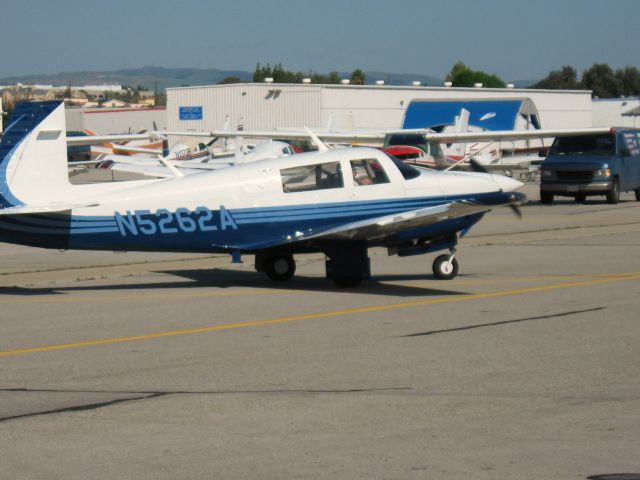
point(604, 145)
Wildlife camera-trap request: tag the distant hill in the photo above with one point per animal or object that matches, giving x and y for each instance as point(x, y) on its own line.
point(145, 76)
point(177, 77)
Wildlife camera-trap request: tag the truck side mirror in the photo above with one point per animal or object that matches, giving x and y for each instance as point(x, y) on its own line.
point(625, 152)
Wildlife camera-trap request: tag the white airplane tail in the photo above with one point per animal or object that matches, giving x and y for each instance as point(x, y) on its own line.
point(459, 150)
point(462, 121)
point(33, 155)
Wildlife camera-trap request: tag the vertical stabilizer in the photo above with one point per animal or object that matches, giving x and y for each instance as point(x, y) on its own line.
point(33, 155)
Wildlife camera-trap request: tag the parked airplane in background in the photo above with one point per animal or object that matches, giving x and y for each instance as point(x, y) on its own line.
point(274, 209)
point(183, 161)
point(143, 146)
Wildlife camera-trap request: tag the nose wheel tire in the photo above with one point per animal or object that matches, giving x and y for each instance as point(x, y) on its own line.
point(445, 267)
point(279, 268)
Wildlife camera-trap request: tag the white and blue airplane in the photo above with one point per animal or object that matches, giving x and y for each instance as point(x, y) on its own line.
point(339, 202)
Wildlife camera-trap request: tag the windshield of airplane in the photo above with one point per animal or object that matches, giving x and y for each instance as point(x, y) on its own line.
point(408, 172)
point(604, 145)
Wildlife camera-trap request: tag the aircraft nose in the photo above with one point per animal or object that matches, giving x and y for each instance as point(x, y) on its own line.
point(507, 184)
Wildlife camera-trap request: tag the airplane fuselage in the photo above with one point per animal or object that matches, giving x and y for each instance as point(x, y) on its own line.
point(246, 208)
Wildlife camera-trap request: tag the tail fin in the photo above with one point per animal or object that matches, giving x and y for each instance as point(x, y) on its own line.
point(462, 121)
point(33, 155)
point(458, 151)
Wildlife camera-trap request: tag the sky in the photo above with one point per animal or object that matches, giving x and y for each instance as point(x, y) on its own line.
point(517, 40)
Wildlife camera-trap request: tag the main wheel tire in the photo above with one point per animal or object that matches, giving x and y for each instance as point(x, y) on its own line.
point(443, 269)
point(546, 198)
point(581, 198)
point(613, 195)
point(279, 268)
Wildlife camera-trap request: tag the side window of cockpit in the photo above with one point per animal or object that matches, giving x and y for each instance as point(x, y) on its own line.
point(368, 172)
point(312, 177)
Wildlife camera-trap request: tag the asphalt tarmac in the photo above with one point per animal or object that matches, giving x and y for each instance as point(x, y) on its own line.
point(160, 366)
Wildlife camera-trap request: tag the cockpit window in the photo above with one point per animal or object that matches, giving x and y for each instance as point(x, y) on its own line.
point(312, 177)
point(368, 171)
point(407, 171)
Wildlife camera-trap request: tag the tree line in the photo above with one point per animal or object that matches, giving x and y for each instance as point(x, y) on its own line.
point(600, 78)
point(280, 75)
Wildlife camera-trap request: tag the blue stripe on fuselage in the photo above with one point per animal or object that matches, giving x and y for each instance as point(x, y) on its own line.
point(245, 229)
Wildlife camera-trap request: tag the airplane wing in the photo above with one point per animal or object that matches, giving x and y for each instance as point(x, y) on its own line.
point(52, 207)
point(354, 136)
point(488, 135)
point(127, 148)
point(388, 225)
point(95, 140)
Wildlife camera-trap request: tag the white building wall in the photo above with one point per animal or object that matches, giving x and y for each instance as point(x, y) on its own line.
point(254, 106)
point(106, 121)
point(383, 107)
point(609, 112)
point(271, 106)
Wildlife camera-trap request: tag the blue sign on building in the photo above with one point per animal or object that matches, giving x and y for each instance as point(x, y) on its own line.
point(190, 113)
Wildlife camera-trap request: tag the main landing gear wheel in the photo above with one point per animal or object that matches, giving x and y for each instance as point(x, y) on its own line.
point(445, 267)
point(279, 268)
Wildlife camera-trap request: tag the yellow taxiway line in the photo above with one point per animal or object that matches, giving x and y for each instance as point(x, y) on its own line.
point(609, 278)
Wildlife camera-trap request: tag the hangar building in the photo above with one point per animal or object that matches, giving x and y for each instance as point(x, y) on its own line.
point(267, 106)
point(619, 112)
point(105, 121)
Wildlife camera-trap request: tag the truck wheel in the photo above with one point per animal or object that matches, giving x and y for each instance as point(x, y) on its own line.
point(546, 198)
point(581, 198)
point(637, 192)
point(613, 195)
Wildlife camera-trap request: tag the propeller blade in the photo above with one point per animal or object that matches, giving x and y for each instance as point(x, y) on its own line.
point(477, 167)
point(516, 210)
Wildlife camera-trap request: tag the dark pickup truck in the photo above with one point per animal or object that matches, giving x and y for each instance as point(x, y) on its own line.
point(601, 164)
